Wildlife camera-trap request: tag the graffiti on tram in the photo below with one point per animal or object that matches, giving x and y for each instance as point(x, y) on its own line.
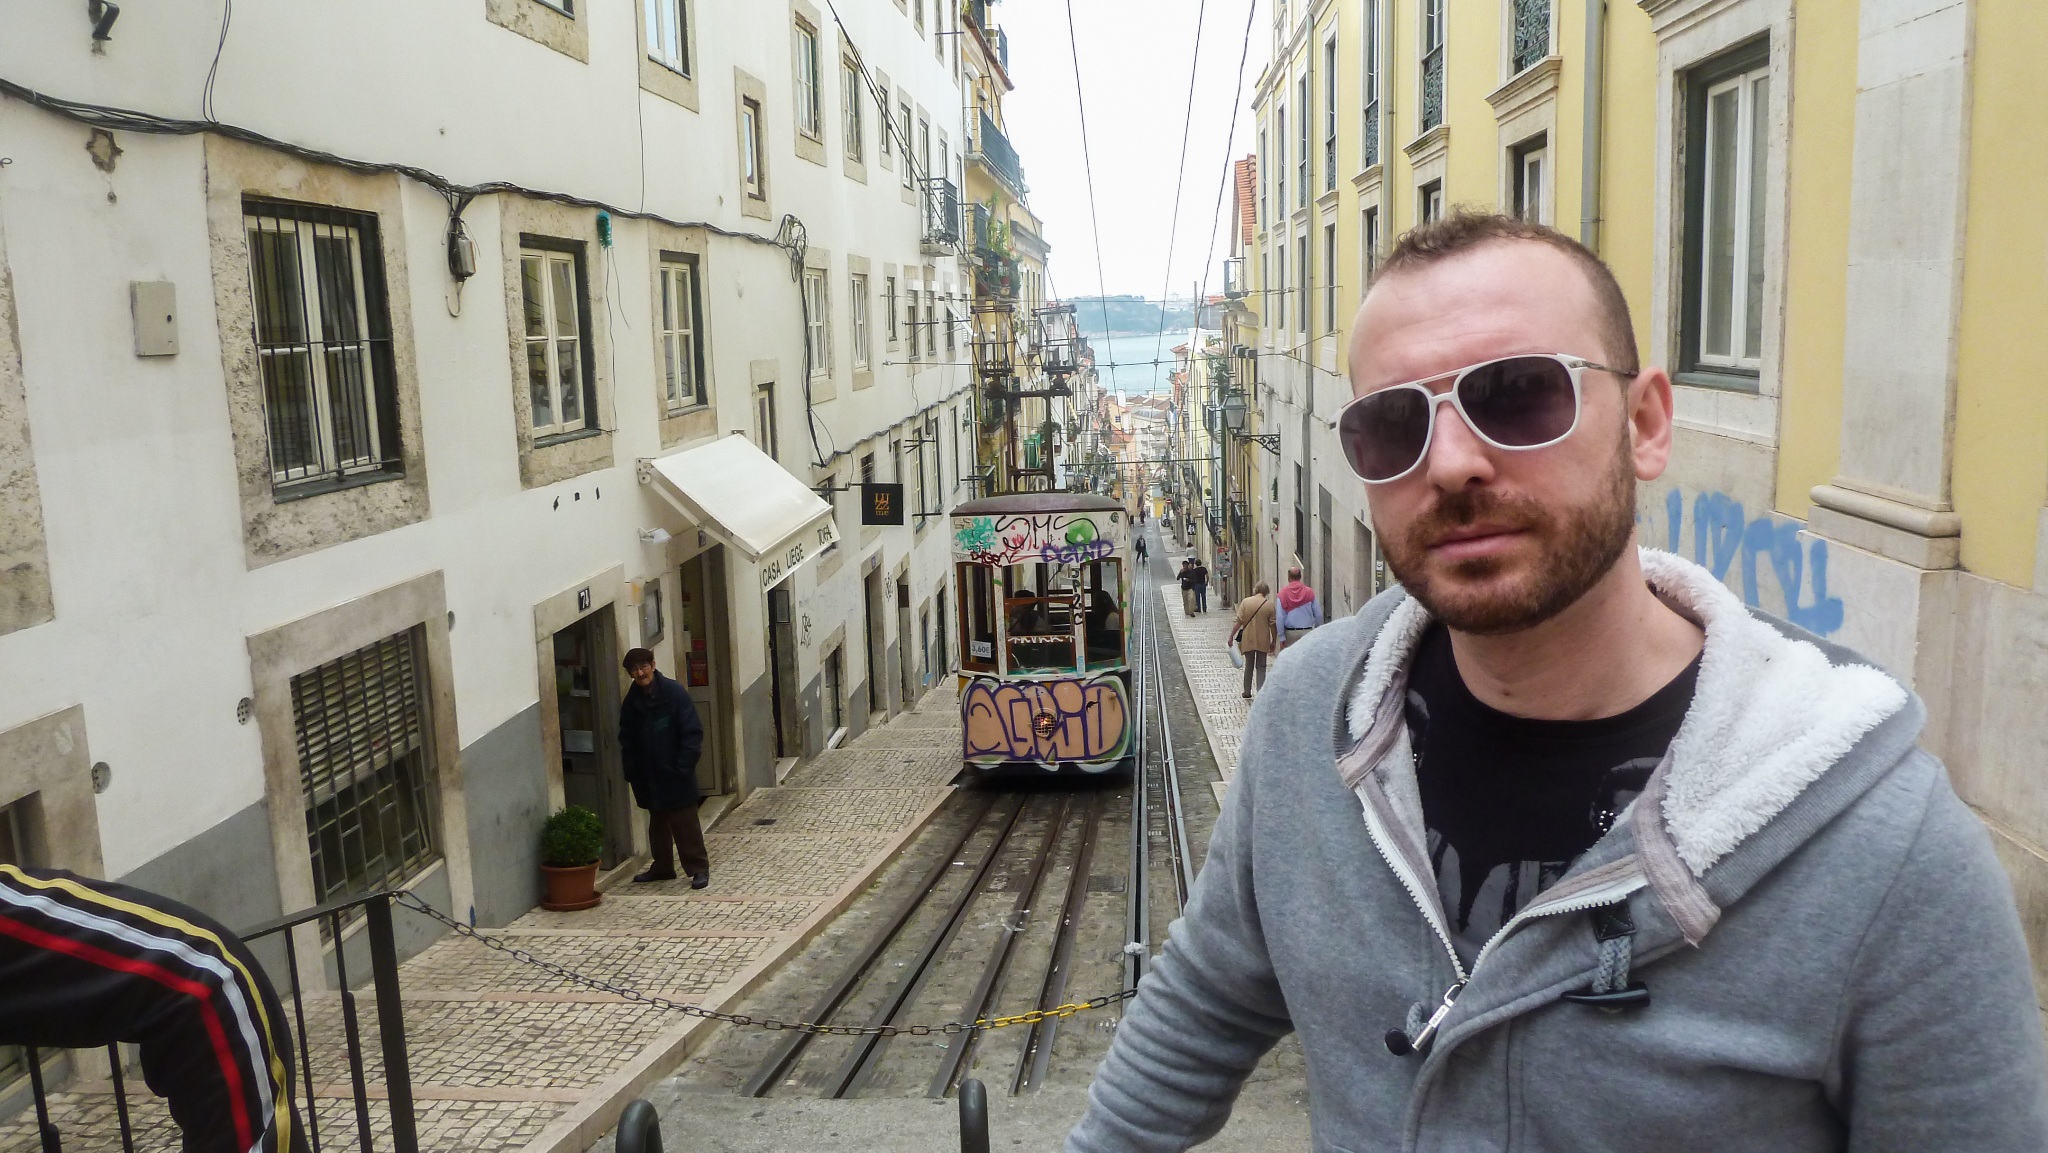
point(1083, 720)
point(1056, 538)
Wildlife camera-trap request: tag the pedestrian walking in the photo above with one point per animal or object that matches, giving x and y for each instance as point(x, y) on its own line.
point(1187, 586)
point(1138, 547)
point(660, 738)
point(1639, 867)
point(1255, 635)
point(1201, 579)
point(1300, 609)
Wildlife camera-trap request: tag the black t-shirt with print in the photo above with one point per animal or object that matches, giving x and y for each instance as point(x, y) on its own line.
point(1511, 802)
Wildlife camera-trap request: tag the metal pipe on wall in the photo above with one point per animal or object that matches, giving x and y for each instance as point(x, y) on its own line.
point(1589, 156)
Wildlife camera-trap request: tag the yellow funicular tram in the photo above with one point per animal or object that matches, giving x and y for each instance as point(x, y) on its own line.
point(1043, 584)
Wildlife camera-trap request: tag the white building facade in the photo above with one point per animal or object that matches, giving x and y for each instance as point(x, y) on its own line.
point(372, 385)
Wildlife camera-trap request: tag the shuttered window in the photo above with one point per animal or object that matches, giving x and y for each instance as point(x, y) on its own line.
point(365, 767)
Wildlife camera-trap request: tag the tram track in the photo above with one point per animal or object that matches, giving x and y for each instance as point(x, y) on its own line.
point(992, 925)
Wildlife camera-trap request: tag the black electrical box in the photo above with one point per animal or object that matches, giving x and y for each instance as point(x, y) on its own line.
point(881, 504)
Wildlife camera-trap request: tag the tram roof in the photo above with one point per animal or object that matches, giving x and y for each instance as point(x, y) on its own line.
point(1038, 502)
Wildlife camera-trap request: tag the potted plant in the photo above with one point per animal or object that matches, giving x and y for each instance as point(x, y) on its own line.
point(570, 843)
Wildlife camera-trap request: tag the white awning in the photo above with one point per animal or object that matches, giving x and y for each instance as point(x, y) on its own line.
point(740, 497)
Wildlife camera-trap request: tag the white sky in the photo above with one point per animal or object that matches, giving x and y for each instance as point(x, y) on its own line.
point(1135, 57)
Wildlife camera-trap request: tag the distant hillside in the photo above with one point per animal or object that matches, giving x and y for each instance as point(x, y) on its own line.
point(1128, 315)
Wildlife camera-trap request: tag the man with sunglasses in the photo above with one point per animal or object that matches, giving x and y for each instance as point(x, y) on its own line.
point(1558, 846)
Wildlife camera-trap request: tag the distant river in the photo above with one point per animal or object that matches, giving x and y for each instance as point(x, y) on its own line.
point(1128, 362)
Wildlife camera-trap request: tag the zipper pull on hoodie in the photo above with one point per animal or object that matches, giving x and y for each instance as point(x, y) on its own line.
point(1400, 1043)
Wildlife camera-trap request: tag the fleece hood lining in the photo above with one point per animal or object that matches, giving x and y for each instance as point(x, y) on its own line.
point(1769, 714)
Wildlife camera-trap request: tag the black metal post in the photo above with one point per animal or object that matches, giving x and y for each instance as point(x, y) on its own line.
point(52, 1142)
point(291, 962)
point(353, 1032)
point(973, 1117)
point(639, 1129)
point(120, 1098)
point(391, 1025)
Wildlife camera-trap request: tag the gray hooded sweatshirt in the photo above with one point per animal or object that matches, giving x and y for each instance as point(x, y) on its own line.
point(1830, 950)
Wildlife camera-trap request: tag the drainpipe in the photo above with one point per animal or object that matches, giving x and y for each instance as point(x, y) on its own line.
point(1589, 160)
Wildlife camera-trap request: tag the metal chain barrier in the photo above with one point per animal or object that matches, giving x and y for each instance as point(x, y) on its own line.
point(410, 901)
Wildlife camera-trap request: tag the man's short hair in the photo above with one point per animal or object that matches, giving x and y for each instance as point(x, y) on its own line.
point(1262, 587)
point(637, 657)
point(1465, 229)
point(1294, 572)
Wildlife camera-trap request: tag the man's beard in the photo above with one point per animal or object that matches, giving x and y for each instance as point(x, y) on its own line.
point(1578, 546)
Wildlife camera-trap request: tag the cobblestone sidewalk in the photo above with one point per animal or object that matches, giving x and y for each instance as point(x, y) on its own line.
point(506, 1057)
point(1213, 681)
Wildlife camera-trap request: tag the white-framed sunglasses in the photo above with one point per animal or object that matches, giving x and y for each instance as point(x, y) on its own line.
point(1515, 403)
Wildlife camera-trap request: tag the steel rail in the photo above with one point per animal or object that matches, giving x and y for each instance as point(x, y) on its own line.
point(777, 1064)
point(1036, 1053)
point(859, 1066)
point(1137, 902)
point(977, 1004)
point(1181, 857)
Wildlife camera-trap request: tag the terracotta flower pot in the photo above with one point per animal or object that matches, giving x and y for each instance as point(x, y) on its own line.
point(570, 889)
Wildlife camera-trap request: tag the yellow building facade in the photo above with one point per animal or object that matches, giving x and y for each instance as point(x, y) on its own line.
point(1821, 212)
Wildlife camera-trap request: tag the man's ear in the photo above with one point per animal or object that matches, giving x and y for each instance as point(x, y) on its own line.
point(1650, 422)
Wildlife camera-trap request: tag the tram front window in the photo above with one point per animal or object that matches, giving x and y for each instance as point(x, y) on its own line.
point(1104, 635)
point(1038, 609)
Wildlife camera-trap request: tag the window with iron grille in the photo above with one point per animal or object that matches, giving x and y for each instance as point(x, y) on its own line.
point(1371, 84)
point(1532, 33)
point(852, 132)
point(818, 321)
point(322, 329)
point(682, 353)
point(1330, 114)
point(1432, 63)
point(668, 33)
point(366, 767)
point(558, 358)
point(809, 117)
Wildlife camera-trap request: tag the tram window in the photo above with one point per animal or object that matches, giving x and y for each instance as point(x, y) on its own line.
point(1039, 610)
point(977, 616)
point(1104, 635)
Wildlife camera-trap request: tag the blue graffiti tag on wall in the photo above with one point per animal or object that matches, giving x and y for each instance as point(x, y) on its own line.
point(1723, 534)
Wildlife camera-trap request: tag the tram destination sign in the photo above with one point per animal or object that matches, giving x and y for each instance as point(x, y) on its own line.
point(881, 503)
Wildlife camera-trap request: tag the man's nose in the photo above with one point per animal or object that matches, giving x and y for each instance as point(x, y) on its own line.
point(1457, 457)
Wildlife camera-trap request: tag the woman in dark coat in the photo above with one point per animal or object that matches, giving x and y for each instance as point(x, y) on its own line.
point(660, 738)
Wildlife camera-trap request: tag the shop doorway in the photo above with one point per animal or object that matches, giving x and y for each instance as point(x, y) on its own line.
point(588, 688)
point(878, 691)
point(702, 665)
point(906, 657)
point(782, 675)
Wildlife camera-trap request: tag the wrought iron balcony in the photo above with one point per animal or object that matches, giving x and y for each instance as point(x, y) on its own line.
point(1233, 278)
point(1532, 32)
point(942, 227)
point(1372, 134)
point(993, 149)
point(1433, 88)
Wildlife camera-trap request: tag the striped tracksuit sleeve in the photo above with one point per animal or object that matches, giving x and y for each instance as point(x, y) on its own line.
point(85, 963)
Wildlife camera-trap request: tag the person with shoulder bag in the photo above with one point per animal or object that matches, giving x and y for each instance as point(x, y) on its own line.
point(1256, 635)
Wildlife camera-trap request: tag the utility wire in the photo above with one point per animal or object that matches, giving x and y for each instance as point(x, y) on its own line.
point(1088, 165)
point(1180, 176)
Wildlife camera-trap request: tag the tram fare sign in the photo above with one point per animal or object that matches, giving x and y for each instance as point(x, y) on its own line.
point(881, 503)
